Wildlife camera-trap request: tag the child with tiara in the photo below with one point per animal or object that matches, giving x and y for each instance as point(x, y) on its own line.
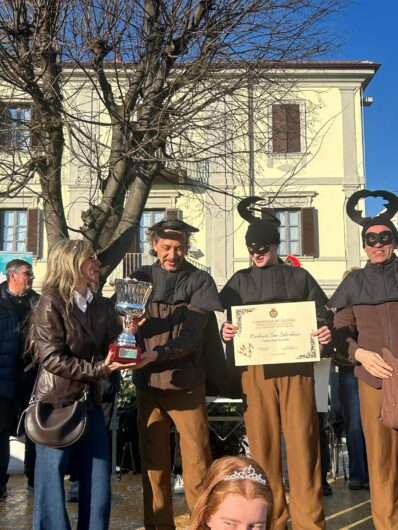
point(235, 494)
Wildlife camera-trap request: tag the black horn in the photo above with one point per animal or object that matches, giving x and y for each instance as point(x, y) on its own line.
point(356, 215)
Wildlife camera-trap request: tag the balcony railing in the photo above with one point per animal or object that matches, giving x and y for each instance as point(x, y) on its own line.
point(134, 260)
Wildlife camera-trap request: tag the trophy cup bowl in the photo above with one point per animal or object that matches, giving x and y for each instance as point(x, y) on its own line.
point(131, 298)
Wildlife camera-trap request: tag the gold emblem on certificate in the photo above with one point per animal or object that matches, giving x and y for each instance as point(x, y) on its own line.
point(275, 333)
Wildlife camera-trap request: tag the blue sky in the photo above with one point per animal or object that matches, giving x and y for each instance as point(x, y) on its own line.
point(368, 31)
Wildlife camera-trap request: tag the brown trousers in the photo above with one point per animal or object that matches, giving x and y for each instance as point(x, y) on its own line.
point(382, 451)
point(287, 402)
point(156, 411)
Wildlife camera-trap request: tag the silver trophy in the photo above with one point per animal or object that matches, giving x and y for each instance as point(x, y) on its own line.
point(131, 298)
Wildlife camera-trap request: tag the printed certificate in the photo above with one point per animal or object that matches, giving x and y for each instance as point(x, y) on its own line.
point(275, 333)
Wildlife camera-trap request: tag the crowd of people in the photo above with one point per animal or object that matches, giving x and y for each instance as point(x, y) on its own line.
point(57, 347)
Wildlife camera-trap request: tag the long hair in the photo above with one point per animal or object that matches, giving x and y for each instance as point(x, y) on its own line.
point(64, 268)
point(63, 275)
point(215, 488)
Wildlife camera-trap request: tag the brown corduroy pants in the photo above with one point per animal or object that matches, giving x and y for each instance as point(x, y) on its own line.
point(382, 451)
point(287, 402)
point(156, 411)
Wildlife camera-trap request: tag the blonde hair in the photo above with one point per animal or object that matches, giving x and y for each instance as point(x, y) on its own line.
point(215, 488)
point(64, 268)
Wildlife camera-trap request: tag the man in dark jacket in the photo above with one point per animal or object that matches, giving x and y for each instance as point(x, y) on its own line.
point(365, 324)
point(17, 290)
point(9, 345)
point(172, 387)
point(280, 395)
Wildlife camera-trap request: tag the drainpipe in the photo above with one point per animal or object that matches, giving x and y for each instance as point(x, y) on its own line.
point(250, 131)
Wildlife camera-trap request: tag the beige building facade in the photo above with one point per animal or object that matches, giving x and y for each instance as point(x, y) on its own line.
point(303, 153)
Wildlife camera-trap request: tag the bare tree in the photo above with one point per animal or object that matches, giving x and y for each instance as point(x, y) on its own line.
point(167, 84)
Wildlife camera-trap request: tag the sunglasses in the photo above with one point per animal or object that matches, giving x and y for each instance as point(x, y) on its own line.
point(384, 238)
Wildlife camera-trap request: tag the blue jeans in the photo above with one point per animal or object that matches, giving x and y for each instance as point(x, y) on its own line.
point(91, 455)
point(349, 401)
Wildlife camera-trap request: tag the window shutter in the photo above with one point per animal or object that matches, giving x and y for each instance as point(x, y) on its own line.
point(286, 128)
point(293, 128)
point(32, 244)
point(308, 232)
point(279, 129)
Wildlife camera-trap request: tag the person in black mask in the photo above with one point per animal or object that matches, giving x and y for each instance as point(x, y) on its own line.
point(280, 395)
point(365, 330)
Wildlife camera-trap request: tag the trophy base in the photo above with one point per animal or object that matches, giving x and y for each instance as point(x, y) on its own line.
point(125, 354)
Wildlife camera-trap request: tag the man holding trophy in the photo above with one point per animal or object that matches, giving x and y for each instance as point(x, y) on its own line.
point(279, 394)
point(172, 387)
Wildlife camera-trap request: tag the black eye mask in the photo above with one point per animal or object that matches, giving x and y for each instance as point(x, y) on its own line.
point(384, 238)
point(259, 248)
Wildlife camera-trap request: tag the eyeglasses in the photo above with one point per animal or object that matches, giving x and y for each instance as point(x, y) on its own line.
point(384, 238)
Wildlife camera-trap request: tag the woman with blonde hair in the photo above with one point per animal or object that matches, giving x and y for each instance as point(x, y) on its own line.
point(235, 494)
point(72, 328)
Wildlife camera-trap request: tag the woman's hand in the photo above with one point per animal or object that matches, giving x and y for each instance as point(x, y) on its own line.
point(228, 331)
point(147, 357)
point(373, 363)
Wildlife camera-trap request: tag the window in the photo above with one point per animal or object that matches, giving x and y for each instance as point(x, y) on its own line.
point(19, 230)
point(286, 128)
point(16, 127)
point(149, 218)
point(290, 231)
point(14, 229)
point(298, 230)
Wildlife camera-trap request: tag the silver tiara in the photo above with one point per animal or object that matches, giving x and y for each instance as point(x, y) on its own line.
point(247, 473)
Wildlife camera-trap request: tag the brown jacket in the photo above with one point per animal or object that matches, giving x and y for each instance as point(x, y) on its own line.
point(71, 352)
point(178, 327)
point(176, 332)
point(372, 327)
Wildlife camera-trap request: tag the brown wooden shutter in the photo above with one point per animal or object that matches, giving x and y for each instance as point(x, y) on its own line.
point(32, 244)
point(308, 232)
point(293, 128)
point(279, 129)
point(286, 128)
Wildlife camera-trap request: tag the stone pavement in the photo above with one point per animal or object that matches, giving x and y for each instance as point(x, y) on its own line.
point(345, 509)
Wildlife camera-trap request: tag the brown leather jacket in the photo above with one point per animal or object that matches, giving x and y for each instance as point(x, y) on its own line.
point(71, 351)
